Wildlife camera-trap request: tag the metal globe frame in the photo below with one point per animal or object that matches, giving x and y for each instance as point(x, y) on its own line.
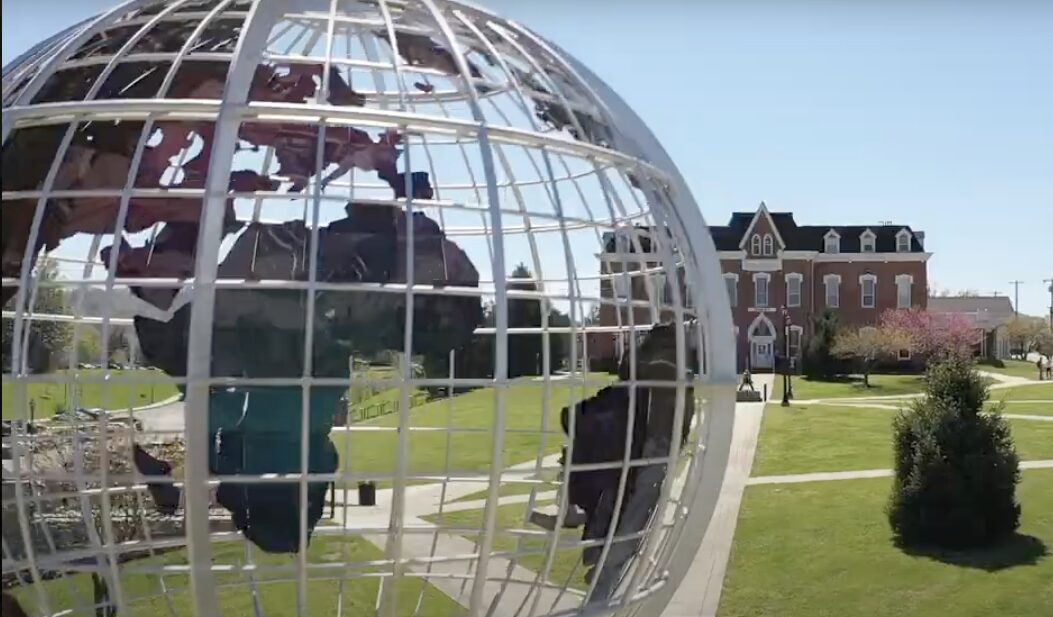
point(485, 110)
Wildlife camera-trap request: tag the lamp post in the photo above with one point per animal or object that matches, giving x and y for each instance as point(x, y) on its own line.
point(786, 357)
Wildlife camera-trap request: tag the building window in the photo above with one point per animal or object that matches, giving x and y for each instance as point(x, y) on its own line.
point(904, 282)
point(622, 285)
point(832, 242)
point(755, 245)
point(903, 241)
point(760, 289)
point(867, 242)
point(657, 289)
point(659, 292)
point(832, 282)
point(769, 245)
point(795, 341)
point(868, 290)
point(794, 281)
point(904, 354)
point(732, 283)
point(621, 241)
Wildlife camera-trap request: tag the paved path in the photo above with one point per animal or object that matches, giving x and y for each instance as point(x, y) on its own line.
point(1011, 416)
point(433, 551)
point(1002, 378)
point(699, 593)
point(828, 476)
point(166, 418)
point(1024, 416)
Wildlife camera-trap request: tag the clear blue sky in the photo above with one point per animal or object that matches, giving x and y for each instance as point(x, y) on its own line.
point(940, 117)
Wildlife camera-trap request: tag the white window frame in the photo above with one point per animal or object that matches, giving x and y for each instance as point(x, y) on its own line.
point(798, 280)
point(904, 282)
point(863, 280)
point(685, 289)
point(755, 244)
point(867, 242)
point(832, 282)
point(757, 277)
point(659, 282)
point(832, 239)
point(904, 355)
point(903, 241)
point(733, 291)
point(769, 245)
point(800, 341)
point(622, 285)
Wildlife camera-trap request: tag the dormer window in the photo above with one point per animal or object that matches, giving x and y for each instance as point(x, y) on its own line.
point(867, 242)
point(769, 245)
point(832, 242)
point(755, 244)
point(903, 241)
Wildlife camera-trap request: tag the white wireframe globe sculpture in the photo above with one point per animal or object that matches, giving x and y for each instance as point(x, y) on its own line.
point(340, 307)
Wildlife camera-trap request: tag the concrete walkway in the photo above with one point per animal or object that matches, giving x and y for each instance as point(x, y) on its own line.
point(1015, 380)
point(434, 553)
point(883, 407)
point(699, 593)
point(828, 476)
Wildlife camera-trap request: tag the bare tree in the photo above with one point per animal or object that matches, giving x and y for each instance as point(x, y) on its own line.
point(869, 346)
point(1024, 333)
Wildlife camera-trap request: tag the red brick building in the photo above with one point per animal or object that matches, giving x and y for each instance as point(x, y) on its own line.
point(771, 264)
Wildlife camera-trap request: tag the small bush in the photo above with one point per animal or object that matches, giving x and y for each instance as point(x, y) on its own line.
point(956, 468)
point(995, 362)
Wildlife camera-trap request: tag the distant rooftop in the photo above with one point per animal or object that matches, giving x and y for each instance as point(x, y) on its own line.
point(987, 311)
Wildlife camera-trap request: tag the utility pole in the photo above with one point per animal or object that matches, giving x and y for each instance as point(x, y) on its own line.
point(1050, 283)
point(1016, 301)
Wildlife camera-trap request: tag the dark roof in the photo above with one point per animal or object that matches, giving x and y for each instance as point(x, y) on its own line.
point(810, 237)
point(796, 237)
point(989, 311)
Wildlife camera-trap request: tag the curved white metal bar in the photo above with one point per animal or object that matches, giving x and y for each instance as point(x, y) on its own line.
point(199, 353)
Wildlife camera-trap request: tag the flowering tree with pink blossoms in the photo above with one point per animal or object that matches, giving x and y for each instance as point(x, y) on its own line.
point(936, 335)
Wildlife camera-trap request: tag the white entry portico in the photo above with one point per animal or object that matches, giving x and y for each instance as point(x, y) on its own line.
point(762, 343)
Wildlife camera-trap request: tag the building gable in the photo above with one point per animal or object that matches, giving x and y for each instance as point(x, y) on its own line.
point(761, 226)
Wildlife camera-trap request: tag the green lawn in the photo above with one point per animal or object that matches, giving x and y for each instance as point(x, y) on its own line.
point(1037, 392)
point(373, 451)
point(814, 438)
point(1015, 368)
point(805, 389)
point(566, 565)
point(47, 398)
point(823, 550)
point(1034, 409)
point(277, 598)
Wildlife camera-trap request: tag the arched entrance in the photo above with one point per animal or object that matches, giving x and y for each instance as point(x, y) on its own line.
point(762, 343)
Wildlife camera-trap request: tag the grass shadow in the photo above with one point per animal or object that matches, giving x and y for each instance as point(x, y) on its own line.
point(1017, 550)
